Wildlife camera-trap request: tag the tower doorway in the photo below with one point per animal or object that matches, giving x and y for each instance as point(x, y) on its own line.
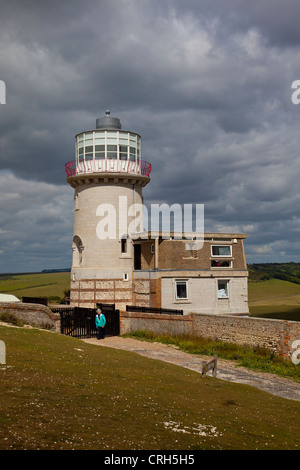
point(137, 257)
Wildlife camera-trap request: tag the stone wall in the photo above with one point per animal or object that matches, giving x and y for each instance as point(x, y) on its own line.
point(33, 314)
point(88, 292)
point(276, 335)
point(169, 324)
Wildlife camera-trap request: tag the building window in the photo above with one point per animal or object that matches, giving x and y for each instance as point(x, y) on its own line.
point(112, 152)
point(221, 250)
point(123, 151)
point(123, 245)
point(76, 200)
point(77, 251)
point(137, 257)
point(100, 152)
point(221, 263)
point(108, 145)
point(181, 290)
point(223, 290)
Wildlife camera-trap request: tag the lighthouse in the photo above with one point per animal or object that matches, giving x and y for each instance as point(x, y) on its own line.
point(107, 175)
point(115, 261)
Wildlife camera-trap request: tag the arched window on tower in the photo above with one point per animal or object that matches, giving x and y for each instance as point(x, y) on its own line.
point(77, 251)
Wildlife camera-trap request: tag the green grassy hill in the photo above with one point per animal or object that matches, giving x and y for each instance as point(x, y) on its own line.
point(274, 290)
point(61, 393)
point(274, 299)
point(50, 285)
point(284, 271)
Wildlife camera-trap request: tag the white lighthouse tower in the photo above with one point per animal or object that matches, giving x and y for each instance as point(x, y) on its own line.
point(108, 176)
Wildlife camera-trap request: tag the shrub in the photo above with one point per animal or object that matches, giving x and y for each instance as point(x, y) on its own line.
point(8, 317)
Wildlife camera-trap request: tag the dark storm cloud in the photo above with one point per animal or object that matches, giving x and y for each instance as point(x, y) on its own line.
point(276, 20)
point(207, 85)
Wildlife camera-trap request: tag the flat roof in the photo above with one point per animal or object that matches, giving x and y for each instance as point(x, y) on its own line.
point(185, 235)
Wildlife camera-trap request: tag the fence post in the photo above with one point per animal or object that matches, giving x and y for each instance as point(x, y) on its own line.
point(210, 365)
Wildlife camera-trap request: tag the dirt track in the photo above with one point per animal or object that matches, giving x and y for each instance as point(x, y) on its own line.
point(226, 370)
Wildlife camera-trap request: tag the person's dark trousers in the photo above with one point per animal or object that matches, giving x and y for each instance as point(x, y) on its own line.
point(100, 334)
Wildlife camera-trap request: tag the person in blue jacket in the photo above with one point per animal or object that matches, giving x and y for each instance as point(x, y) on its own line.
point(100, 321)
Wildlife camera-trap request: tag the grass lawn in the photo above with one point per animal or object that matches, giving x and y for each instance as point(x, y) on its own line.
point(50, 285)
point(61, 393)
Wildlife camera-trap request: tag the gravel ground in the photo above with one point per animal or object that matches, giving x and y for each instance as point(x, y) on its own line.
point(226, 370)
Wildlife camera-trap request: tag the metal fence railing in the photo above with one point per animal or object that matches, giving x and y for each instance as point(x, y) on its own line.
point(162, 311)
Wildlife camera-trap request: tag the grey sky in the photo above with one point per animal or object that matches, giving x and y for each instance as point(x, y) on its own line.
point(206, 83)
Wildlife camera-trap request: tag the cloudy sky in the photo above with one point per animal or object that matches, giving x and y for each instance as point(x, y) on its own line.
point(207, 83)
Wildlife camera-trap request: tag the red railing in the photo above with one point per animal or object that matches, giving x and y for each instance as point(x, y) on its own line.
point(107, 166)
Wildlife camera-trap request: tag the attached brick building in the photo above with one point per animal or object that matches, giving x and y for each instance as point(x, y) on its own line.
point(175, 274)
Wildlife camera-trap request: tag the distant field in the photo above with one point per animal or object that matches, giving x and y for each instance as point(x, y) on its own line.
point(274, 299)
point(50, 285)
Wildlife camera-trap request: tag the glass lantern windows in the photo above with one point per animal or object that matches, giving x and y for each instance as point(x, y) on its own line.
point(100, 152)
point(112, 152)
point(108, 145)
point(123, 152)
point(132, 154)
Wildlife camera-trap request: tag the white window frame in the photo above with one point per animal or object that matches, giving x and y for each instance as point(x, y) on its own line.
point(177, 281)
point(221, 256)
point(227, 288)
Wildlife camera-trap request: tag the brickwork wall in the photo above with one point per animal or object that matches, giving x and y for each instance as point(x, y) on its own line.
point(156, 293)
point(276, 335)
point(173, 255)
point(147, 258)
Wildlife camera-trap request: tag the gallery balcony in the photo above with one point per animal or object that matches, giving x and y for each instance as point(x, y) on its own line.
point(97, 169)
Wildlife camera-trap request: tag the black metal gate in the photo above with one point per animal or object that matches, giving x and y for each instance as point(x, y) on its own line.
point(79, 322)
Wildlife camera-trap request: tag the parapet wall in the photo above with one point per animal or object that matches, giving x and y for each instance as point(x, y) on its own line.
point(33, 314)
point(276, 335)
